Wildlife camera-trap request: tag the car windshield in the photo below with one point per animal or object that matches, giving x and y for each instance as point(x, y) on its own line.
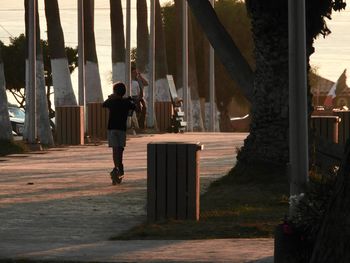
point(16, 113)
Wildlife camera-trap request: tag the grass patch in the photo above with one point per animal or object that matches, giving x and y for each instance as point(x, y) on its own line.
point(246, 203)
point(12, 147)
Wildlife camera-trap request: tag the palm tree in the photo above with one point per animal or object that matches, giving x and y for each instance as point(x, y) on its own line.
point(142, 37)
point(268, 140)
point(118, 40)
point(64, 94)
point(93, 89)
point(42, 111)
point(196, 111)
point(161, 67)
point(5, 124)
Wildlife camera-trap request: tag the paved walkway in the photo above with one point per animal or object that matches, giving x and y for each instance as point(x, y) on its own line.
point(60, 205)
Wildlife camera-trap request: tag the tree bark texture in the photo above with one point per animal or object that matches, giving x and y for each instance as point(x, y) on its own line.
point(118, 41)
point(225, 49)
point(142, 37)
point(93, 89)
point(5, 124)
point(268, 138)
point(161, 60)
point(64, 94)
point(42, 111)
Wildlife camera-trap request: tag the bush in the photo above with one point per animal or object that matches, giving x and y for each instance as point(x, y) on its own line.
point(311, 209)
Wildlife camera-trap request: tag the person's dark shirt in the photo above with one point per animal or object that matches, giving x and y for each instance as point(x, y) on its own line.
point(118, 112)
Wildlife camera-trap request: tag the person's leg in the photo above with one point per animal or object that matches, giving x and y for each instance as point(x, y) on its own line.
point(134, 121)
point(142, 117)
point(120, 160)
point(116, 157)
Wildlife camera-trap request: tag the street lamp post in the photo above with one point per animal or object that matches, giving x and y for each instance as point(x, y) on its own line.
point(151, 78)
point(185, 63)
point(128, 48)
point(32, 135)
point(298, 128)
point(212, 113)
point(81, 56)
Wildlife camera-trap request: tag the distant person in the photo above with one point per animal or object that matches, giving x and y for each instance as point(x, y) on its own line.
point(137, 91)
point(119, 109)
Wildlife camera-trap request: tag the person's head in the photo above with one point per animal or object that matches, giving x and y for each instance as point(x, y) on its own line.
point(119, 88)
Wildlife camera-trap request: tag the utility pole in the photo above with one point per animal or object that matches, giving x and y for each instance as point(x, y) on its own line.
point(151, 78)
point(32, 136)
point(212, 112)
point(298, 120)
point(128, 48)
point(81, 54)
point(185, 64)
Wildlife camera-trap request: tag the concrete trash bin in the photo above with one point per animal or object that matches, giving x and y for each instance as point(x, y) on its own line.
point(173, 181)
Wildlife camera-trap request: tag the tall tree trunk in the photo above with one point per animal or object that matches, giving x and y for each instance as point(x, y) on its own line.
point(63, 90)
point(5, 124)
point(93, 87)
point(196, 112)
point(142, 37)
point(42, 111)
point(268, 138)
point(161, 67)
point(118, 41)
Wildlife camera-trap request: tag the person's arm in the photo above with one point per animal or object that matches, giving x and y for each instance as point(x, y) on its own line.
point(107, 102)
point(142, 79)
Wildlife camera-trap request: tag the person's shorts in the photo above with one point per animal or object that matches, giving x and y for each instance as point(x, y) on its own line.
point(116, 138)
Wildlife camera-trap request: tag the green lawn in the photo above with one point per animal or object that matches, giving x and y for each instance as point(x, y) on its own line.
point(243, 204)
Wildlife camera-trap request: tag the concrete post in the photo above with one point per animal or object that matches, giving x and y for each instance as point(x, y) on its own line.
point(128, 48)
point(151, 78)
point(32, 136)
point(298, 121)
point(185, 63)
point(212, 85)
point(81, 56)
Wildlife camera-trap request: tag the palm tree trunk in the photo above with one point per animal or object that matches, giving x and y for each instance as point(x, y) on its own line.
point(42, 111)
point(196, 112)
point(93, 89)
point(118, 41)
point(268, 138)
point(142, 37)
point(5, 124)
point(63, 90)
point(161, 68)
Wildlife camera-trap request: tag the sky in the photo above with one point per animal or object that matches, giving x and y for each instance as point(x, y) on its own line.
point(332, 54)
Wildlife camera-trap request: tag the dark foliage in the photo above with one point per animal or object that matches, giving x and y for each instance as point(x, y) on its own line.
point(14, 56)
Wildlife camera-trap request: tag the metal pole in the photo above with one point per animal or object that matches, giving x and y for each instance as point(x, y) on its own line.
point(185, 62)
point(298, 128)
point(32, 138)
point(212, 85)
point(128, 48)
point(151, 78)
point(81, 55)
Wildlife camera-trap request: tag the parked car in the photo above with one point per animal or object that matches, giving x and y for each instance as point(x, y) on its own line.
point(17, 119)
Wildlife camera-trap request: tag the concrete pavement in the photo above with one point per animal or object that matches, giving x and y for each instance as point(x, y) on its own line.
point(59, 204)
